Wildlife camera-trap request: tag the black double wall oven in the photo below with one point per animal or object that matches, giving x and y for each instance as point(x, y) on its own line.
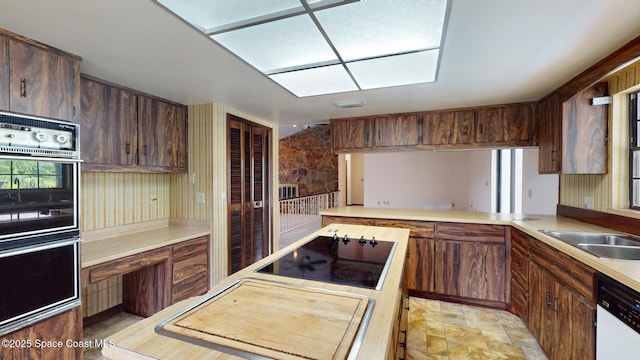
point(39, 219)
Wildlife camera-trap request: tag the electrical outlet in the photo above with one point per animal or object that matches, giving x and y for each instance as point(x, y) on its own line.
point(199, 198)
point(588, 202)
point(530, 193)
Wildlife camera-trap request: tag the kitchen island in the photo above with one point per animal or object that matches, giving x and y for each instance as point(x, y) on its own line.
point(380, 337)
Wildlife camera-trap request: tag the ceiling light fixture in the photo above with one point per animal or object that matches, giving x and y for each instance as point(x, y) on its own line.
point(317, 47)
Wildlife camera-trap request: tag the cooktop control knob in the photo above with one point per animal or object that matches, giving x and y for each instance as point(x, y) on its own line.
point(40, 136)
point(345, 239)
point(362, 241)
point(61, 138)
point(373, 241)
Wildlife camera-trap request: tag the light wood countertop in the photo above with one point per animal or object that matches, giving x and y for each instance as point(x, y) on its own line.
point(111, 244)
point(141, 342)
point(627, 272)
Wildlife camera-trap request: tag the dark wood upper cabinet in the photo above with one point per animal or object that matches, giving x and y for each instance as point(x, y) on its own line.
point(162, 134)
point(42, 81)
point(573, 134)
point(584, 129)
point(350, 134)
point(513, 123)
point(398, 130)
point(449, 128)
point(127, 131)
point(4, 73)
point(108, 124)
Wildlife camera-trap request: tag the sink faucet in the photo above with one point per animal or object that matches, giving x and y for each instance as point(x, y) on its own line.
point(17, 183)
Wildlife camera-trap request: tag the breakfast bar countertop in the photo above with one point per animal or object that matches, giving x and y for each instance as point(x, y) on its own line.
point(140, 341)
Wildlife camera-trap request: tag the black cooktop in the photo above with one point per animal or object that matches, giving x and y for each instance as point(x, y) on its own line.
point(357, 262)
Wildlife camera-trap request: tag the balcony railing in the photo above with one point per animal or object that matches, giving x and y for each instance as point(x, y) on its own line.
point(297, 212)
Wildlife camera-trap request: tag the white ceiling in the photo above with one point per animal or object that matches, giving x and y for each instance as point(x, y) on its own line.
point(495, 51)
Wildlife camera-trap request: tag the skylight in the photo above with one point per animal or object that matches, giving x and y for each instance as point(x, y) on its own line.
point(317, 47)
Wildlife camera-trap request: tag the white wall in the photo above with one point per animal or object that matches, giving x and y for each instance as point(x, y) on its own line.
point(539, 192)
point(417, 180)
point(479, 181)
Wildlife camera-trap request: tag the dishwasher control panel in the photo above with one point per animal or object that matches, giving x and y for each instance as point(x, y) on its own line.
point(619, 300)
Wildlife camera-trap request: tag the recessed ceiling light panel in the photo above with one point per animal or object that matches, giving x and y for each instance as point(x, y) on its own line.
point(375, 28)
point(280, 44)
point(316, 81)
point(396, 70)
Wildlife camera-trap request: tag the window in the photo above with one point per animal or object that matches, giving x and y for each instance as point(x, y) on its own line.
point(30, 175)
point(634, 151)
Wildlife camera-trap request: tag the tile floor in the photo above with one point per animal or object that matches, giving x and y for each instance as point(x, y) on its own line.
point(440, 330)
point(437, 331)
point(103, 329)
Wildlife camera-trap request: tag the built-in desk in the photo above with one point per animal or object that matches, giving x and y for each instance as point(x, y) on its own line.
point(160, 263)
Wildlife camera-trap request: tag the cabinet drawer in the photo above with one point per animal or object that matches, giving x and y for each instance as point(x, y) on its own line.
point(520, 241)
point(419, 229)
point(470, 232)
point(193, 286)
point(328, 220)
point(190, 247)
point(519, 268)
point(189, 267)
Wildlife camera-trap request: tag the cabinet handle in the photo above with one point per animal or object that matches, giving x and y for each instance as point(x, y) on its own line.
point(555, 304)
point(127, 148)
point(23, 87)
point(481, 128)
point(548, 298)
point(554, 155)
point(144, 150)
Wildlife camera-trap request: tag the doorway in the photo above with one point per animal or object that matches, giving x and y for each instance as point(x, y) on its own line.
point(355, 179)
point(249, 188)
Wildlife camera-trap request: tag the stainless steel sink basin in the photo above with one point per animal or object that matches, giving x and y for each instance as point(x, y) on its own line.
point(604, 245)
point(612, 251)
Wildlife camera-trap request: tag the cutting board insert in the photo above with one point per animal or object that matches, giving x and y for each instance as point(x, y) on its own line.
point(274, 320)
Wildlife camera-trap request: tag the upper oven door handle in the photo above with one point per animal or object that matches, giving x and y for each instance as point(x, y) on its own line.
point(38, 158)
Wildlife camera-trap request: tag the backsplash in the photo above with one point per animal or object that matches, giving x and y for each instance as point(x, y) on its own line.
point(114, 199)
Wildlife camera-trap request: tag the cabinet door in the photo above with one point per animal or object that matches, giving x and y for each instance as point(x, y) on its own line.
point(162, 134)
point(4, 73)
point(449, 127)
point(584, 133)
point(397, 130)
point(350, 134)
point(419, 271)
point(512, 124)
point(540, 295)
point(108, 124)
point(43, 83)
point(470, 270)
point(549, 135)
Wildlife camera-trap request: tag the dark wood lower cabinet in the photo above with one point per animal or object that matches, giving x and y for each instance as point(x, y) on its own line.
point(470, 270)
point(420, 266)
point(560, 321)
point(55, 338)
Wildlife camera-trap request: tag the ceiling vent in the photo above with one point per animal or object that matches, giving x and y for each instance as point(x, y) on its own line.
point(350, 104)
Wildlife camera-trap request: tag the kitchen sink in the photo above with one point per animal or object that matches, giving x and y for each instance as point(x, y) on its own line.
point(613, 251)
point(604, 245)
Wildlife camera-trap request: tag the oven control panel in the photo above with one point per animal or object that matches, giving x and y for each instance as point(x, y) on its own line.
point(37, 133)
